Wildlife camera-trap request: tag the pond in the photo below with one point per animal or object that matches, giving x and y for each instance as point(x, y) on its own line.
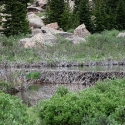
point(42, 91)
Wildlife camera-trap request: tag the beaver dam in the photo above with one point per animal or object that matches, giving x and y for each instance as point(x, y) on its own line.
point(36, 84)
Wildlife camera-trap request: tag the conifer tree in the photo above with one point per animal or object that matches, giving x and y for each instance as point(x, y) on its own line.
point(69, 20)
point(100, 16)
point(15, 15)
point(85, 14)
point(76, 6)
point(0, 18)
point(111, 6)
point(55, 9)
point(120, 15)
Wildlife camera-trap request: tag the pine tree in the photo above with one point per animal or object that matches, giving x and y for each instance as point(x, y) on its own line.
point(69, 20)
point(54, 11)
point(15, 14)
point(85, 14)
point(101, 16)
point(120, 15)
point(76, 6)
point(0, 17)
point(111, 6)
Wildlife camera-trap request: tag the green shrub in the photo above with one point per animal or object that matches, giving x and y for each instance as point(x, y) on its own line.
point(4, 86)
point(13, 112)
point(33, 75)
point(62, 91)
point(94, 106)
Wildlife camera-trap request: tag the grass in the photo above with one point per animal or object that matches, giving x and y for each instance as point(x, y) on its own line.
point(97, 47)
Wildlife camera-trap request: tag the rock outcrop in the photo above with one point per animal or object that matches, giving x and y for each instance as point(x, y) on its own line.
point(53, 25)
point(41, 3)
point(81, 31)
point(121, 35)
point(35, 21)
point(38, 39)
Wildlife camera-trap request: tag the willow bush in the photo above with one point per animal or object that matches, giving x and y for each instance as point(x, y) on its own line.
point(103, 104)
point(13, 112)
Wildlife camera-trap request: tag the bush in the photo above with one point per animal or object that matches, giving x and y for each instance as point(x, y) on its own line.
point(4, 86)
point(12, 111)
point(62, 91)
point(94, 106)
point(33, 75)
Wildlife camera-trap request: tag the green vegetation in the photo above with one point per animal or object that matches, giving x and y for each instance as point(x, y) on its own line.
point(12, 111)
point(99, 46)
point(4, 86)
point(11, 51)
point(33, 75)
point(16, 21)
point(103, 104)
point(97, 15)
point(54, 10)
point(60, 12)
point(85, 15)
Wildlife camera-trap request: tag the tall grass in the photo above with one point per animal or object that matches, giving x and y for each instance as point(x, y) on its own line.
point(103, 46)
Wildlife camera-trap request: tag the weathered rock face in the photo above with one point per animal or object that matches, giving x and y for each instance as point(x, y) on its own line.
point(41, 3)
point(38, 39)
point(36, 31)
point(68, 36)
point(121, 35)
point(81, 31)
point(32, 42)
point(35, 21)
point(53, 25)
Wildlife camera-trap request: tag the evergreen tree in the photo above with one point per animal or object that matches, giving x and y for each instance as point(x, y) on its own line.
point(69, 20)
point(120, 15)
point(15, 14)
point(111, 6)
point(85, 14)
point(76, 6)
point(101, 16)
point(0, 17)
point(54, 10)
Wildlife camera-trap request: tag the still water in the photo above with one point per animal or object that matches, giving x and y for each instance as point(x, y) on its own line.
point(38, 92)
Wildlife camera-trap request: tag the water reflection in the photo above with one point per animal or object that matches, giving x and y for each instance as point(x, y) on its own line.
point(44, 91)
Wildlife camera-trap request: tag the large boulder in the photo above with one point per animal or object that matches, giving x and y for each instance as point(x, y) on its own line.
point(41, 3)
point(32, 42)
point(61, 34)
point(121, 35)
point(53, 25)
point(35, 21)
point(36, 31)
point(81, 31)
point(38, 40)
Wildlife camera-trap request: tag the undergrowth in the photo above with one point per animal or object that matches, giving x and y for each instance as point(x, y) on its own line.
point(103, 104)
point(103, 46)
